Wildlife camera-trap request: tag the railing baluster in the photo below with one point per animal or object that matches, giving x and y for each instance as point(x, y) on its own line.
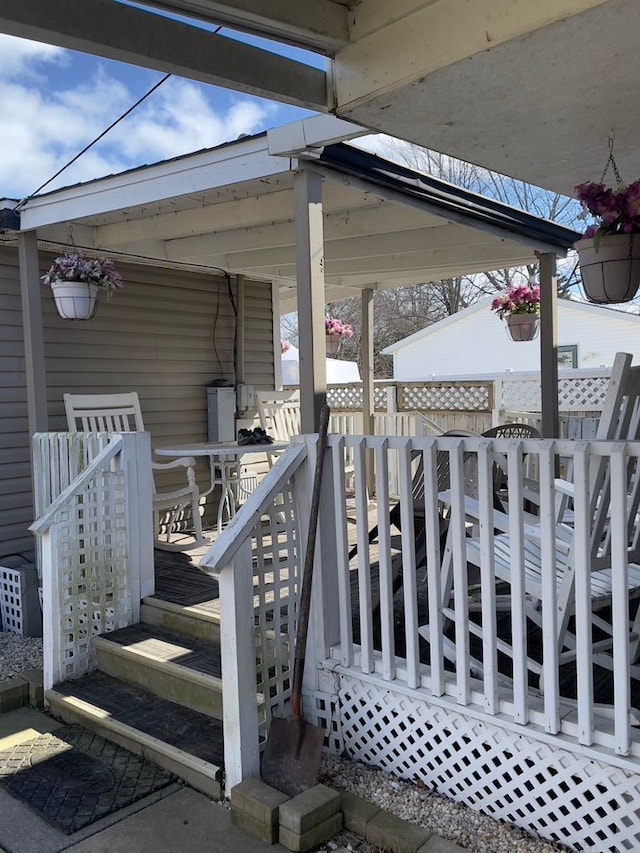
point(385, 565)
point(549, 592)
point(342, 551)
point(620, 598)
point(518, 617)
point(460, 577)
point(434, 573)
point(409, 569)
point(487, 577)
point(582, 574)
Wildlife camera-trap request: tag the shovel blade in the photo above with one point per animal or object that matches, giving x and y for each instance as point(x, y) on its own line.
point(291, 759)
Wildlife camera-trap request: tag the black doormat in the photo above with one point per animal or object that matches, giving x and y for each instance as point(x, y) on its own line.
point(72, 777)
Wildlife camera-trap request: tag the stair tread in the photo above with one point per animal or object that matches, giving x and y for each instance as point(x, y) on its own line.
point(169, 646)
point(189, 731)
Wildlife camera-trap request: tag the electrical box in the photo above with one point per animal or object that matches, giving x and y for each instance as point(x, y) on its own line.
point(221, 414)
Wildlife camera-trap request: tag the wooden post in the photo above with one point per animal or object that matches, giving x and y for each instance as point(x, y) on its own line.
point(549, 345)
point(311, 296)
point(30, 290)
point(368, 391)
point(237, 651)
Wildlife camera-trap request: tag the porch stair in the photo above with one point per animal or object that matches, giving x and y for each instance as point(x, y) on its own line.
point(157, 692)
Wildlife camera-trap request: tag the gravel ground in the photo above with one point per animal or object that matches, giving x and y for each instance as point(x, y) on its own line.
point(457, 823)
point(18, 653)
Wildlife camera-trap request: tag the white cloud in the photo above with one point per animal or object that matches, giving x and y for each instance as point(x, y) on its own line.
point(17, 57)
point(47, 120)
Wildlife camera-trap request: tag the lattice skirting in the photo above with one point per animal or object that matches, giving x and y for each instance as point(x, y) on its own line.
point(549, 791)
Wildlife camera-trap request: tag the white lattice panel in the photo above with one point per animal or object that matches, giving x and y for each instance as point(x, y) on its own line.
point(276, 571)
point(11, 595)
point(557, 794)
point(345, 397)
point(446, 397)
point(92, 569)
point(582, 393)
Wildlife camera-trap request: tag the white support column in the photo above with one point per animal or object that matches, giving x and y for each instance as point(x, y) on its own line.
point(238, 658)
point(277, 355)
point(549, 345)
point(311, 296)
point(30, 291)
point(368, 398)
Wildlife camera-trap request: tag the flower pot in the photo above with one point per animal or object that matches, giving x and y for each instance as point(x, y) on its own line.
point(75, 300)
point(610, 267)
point(523, 327)
point(333, 344)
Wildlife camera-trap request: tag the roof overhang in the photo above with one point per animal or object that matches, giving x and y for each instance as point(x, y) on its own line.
point(509, 85)
point(232, 208)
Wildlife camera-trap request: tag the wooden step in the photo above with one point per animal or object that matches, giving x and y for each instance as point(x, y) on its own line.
point(173, 666)
point(181, 740)
point(197, 620)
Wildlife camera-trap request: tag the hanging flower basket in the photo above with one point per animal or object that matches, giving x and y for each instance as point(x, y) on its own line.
point(523, 327)
point(75, 300)
point(610, 267)
point(75, 281)
point(335, 332)
point(333, 344)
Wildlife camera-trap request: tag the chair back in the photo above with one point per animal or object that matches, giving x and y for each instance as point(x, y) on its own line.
point(279, 413)
point(103, 412)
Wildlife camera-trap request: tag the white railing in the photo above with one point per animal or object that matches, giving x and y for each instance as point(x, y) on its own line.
point(95, 541)
point(257, 562)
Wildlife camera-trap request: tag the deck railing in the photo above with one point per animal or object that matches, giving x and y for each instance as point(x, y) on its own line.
point(95, 541)
point(257, 562)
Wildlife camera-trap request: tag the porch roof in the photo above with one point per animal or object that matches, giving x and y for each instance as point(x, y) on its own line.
point(511, 86)
point(233, 208)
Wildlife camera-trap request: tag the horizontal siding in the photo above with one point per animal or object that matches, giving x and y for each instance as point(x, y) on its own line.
point(167, 334)
point(15, 468)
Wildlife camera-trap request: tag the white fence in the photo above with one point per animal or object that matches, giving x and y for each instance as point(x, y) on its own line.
point(505, 691)
point(95, 536)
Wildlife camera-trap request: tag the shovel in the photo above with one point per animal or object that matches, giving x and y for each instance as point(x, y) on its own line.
point(291, 759)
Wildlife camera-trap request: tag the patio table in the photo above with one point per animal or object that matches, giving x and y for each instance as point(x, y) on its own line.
point(224, 462)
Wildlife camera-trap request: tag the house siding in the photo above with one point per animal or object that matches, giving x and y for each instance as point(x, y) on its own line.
point(167, 335)
point(478, 344)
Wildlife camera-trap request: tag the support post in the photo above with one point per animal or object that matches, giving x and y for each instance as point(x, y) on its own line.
point(30, 290)
point(549, 345)
point(368, 391)
point(311, 296)
point(238, 659)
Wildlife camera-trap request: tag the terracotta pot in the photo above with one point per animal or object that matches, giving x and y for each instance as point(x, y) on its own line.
point(75, 300)
point(333, 344)
point(610, 267)
point(523, 327)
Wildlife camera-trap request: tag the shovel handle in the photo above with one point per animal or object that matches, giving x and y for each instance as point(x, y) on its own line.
point(304, 603)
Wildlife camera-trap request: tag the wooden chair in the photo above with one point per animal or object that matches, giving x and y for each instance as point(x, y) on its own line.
point(620, 420)
point(122, 413)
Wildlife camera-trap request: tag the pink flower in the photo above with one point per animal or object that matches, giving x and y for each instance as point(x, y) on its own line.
point(522, 299)
point(617, 211)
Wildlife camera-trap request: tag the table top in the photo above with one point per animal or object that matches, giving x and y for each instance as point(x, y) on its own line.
point(218, 448)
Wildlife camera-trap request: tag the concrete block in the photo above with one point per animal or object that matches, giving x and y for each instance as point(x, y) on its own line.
point(356, 812)
point(34, 679)
point(258, 828)
point(440, 845)
point(14, 693)
point(387, 830)
point(258, 801)
point(309, 809)
point(311, 838)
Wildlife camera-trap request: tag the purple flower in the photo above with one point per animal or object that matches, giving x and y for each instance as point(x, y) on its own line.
point(617, 211)
point(336, 328)
point(77, 267)
point(521, 299)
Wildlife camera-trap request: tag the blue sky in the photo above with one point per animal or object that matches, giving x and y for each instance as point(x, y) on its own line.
point(55, 101)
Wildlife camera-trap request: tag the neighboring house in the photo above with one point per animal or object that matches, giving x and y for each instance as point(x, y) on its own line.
point(475, 342)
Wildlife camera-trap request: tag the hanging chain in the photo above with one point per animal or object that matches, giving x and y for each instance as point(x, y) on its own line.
point(611, 161)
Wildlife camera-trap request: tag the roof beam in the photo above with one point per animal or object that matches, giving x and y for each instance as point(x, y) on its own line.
point(341, 227)
point(109, 29)
point(320, 26)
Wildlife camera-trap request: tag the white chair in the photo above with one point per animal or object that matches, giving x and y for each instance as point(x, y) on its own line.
point(279, 414)
point(122, 413)
point(620, 420)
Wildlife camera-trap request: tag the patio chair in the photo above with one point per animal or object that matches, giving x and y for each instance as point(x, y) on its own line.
point(279, 414)
point(122, 413)
point(620, 420)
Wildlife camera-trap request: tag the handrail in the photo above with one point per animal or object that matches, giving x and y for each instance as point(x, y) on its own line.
point(241, 525)
point(42, 524)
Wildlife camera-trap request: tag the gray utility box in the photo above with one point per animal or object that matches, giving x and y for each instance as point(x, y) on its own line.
point(221, 414)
